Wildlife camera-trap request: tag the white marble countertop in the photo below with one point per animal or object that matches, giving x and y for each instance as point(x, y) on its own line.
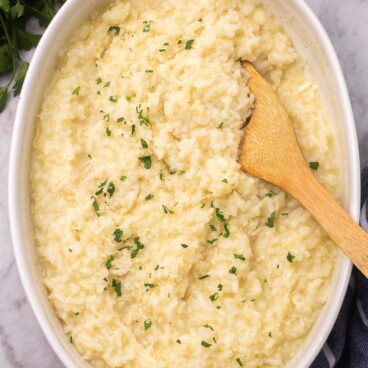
point(22, 344)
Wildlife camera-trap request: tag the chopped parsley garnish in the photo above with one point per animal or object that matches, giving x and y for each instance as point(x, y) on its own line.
point(144, 143)
point(271, 194)
point(238, 360)
point(118, 235)
point(147, 161)
point(108, 132)
point(162, 50)
point(71, 339)
point(225, 181)
point(107, 84)
point(200, 20)
point(121, 120)
point(270, 334)
point(113, 98)
point(271, 220)
point(219, 287)
point(314, 165)
point(148, 197)
point(205, 344)
point(70, 250)
point(109, 262)
point(149, 286)
point(221, 218)
point(213, 228)
point(178, 341)
point(96, 206)
point(214, 297)
point(290, 257)
point(147, 26)
point(114, 30)
point(139, 245)
point(89, 156)
point(167, 210)
point(76, 91)
point(209, 327)
point(143, 120)
point(133, 129)
point(211, 241)
point(184, 245)
point(123, 178)
point(98, 81)
point(106, 117)
point(111, 189)
point(147, 324)
point(203, 277)
point(76, 314)
point(220, 126)
point(189, 44)
point(239, 256)
point(284, 213)
point(116, 286)
point(233, 270)
point(149, 71)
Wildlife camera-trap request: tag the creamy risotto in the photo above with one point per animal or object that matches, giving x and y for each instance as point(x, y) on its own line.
point(156, 249)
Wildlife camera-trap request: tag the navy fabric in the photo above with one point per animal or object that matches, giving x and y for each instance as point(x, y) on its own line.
point(347, 345)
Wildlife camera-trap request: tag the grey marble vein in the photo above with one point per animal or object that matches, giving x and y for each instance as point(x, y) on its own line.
point(22, 344)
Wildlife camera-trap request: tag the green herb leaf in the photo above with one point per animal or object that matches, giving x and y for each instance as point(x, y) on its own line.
point(147, 26)
point(239, 256)
point(271, 194)
point(220, 126)
point(108, 132)
point(238, 360)
point(123, 178)
point(205, 344)
point(98, 81)
point(314, 165)
point(178, 341)
point(118, 234)
point(144, 143)
point(76, 91)
point(96, 207)
point(150, 196)
point(271, 220)
point(147, 324)
point(189, 44)
point(203, 277)
point(4, 5)
point(214, 297)
point(139, 246)
point(290, 257)
point(19, 79)
point(233, 270)
point(17, 10)
point(114, 30)
point(209, 327)
point(184, 245)
point(109, 262)
point(6, 59)
point(147, 161)
point(117, 287)
point(167, 210)
point(213, 228)
point(3, 97)
point(26, 41)
point(113, 98)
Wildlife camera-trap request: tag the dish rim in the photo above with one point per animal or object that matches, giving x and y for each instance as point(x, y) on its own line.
point(16, 212)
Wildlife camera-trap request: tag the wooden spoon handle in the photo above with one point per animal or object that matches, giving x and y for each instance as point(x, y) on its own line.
point(351, 238)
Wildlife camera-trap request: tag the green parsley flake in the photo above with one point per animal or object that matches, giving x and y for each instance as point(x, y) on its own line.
point(205, 344)
point(76, 91)
point(184, 245)
point(107, 84)
point(147, 324)
point(271, 220)
point(270, 334)
point(144, 143)
point(123, 178)
point(214, 297)
point(211, 241)
point(117, 287)
point(114, 30)
point(98, 81)
point(178, 341)
point(238, 360)
point(213, 228)
point(143, 120)
point(220, 126)
point(149, 71)
point(189, 44)
point(225, 181)
point(121, 120)
point(233, 270)
point(118, 234)
point(108, 132)
point(271, 194)
point(147, 198)
point(109, 262)
point(314, 165)
point(219, 287)
point(290, 257)
point(149, 286)
point(200, 20)
point(139, 246)
point(147, 26)
point(147, 161)
point(203, 277)
point(96, 206)
point(113, 98)
point(167, 210)
point(133, 129)
point(209, 327)
point(71, 339)
point(239, 256)
point(221, 218)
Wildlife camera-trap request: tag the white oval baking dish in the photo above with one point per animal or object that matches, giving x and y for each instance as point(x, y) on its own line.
point(311, 41)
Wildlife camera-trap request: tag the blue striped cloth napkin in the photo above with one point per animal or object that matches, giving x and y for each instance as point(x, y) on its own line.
point(347, 345)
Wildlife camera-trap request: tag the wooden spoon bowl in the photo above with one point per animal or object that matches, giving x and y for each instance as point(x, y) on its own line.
point(270, 151)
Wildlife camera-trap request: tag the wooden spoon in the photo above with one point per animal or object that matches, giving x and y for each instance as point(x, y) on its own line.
point(270, 151)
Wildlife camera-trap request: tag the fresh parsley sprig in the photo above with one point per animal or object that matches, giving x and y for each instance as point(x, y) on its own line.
point(14, 15)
